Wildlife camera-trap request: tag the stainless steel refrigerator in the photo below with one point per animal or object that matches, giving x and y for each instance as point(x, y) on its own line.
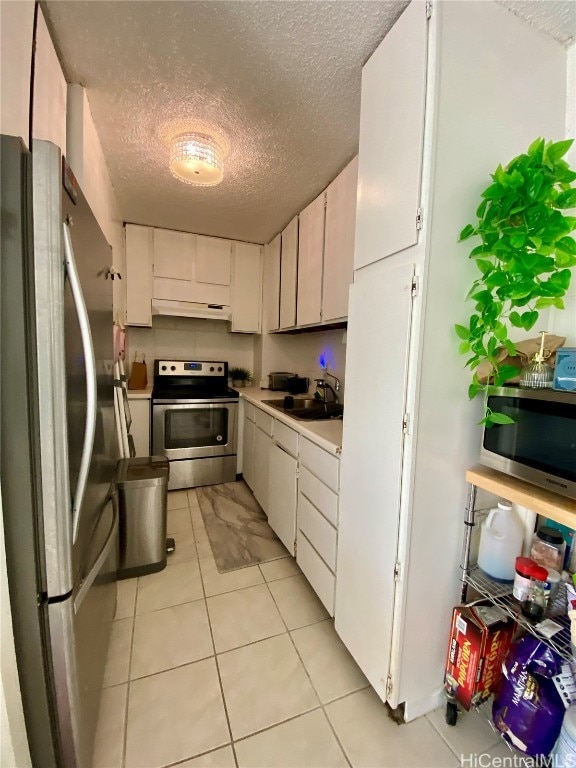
point(58, 451)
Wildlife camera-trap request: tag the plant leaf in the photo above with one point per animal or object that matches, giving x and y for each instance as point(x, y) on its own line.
point(474, 389)
point(558, 149)
point(543, 303)
point(536, 148)
point(566, 199)
point(500, 418)
point(566, 245)
point(515, 319)
point(467, 232)
point(462, 332)
point(506, 372)
point(529, 320)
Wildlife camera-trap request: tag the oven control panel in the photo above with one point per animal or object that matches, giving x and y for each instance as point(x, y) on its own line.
point(190, 368)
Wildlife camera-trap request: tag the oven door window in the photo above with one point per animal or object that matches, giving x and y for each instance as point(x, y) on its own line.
point(195, 427)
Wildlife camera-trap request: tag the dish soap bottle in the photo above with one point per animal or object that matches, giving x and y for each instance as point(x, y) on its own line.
point(501, 540)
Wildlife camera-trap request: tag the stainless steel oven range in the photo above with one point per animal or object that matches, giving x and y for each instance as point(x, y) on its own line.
point(195, 421)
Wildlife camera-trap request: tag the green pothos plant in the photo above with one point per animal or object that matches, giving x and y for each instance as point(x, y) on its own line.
point(525, 257)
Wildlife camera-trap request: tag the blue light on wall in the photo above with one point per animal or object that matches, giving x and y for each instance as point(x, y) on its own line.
point(326, 358)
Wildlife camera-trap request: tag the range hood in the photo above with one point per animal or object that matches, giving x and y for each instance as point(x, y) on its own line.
point(191, 309)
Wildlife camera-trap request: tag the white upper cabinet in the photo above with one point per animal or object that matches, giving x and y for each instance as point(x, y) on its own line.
point(272, 284)
point(139, 255)
point(173, 254)
point(310, 255)
point(339, 243)
point(288, 274)
point(213, 259)
point(391, 140)
point(246, 287)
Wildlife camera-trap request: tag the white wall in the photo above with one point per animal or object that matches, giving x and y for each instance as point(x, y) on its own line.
point(299, 353)
point(85, 156)
point(49, 99)
point(16, 29)
point(186, 337)
point(484, 117)
point(563, 322)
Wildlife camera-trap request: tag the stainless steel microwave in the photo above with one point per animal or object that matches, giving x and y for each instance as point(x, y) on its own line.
point(540, 446)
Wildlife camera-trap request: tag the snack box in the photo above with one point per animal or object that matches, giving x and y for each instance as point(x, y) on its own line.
point(479, 638)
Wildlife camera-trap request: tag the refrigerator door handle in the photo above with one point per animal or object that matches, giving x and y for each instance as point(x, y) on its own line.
point(90, 363)
point(101, 559)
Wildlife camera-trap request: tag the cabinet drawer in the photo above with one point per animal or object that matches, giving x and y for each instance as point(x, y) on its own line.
point(249, 411)
point(265, 422)
point(318, 531)
point(321, 579)
point(320, 495)
point(286, 437)
point(322, 464)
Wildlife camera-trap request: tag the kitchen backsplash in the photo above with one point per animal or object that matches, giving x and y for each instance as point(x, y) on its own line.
point(182, 337)
point(185, 337)
point(300, 353)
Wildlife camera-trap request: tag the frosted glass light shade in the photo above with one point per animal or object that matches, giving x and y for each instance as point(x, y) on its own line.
point(196, 158)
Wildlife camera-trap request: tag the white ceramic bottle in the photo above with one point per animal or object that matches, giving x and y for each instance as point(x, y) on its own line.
point(501, 540)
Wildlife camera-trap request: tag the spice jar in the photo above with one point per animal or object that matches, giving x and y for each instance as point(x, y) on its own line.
point(548, 548)
point(534, 604)
point(553, 584)
point(524, 567)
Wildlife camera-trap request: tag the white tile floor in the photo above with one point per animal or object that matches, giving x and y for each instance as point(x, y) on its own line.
point(244, 669)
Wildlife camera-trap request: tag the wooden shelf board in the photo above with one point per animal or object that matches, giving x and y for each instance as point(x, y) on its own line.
point(543, 502)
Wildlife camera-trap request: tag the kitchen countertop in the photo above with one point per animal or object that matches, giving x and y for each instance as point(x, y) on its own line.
point(326, 434)
point(140, 394)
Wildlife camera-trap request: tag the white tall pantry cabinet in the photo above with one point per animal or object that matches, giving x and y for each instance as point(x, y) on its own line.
point(492, 84)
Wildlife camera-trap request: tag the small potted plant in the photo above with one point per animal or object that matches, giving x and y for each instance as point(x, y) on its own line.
point(525, 258)
point(240, 376)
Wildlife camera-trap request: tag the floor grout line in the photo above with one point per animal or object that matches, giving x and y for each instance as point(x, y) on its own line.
point(125, 740)
point(216, 660)
point(310, 679)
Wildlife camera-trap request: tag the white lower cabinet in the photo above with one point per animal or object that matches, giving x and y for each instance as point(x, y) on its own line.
point(296, 483)
point(317, 537)
point(248, 452)
point(321, 578)
point(282, 495)
point(262, 448)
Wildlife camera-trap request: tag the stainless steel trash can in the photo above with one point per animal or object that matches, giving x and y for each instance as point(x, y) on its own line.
point(142, 493)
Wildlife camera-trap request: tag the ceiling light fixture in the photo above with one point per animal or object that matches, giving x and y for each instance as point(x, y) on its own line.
point(196, 158)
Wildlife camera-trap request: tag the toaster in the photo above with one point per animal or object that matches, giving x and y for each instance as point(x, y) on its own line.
point(277, 380)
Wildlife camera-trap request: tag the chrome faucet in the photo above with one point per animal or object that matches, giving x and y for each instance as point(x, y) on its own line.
point(337, 385)
point(325, 385)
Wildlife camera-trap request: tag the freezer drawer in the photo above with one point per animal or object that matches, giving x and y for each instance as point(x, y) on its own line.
point(79, 637)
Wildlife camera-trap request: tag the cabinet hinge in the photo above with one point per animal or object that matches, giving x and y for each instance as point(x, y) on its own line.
point(297, 471)
point(419, 218)
point(295, 547)
point(406, 424)
point(397, 572)
point(389, 686)
point(415, 286)
point(428, 9)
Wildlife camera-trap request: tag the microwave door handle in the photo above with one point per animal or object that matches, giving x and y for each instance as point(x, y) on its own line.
point(90, 363)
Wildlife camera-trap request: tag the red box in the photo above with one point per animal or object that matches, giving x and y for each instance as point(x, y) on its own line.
point(479, 637)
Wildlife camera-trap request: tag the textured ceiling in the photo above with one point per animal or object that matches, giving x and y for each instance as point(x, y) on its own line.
point(555, 17)
point(280, 81)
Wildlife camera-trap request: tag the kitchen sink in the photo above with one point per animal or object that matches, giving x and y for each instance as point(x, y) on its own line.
point(307, 408)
